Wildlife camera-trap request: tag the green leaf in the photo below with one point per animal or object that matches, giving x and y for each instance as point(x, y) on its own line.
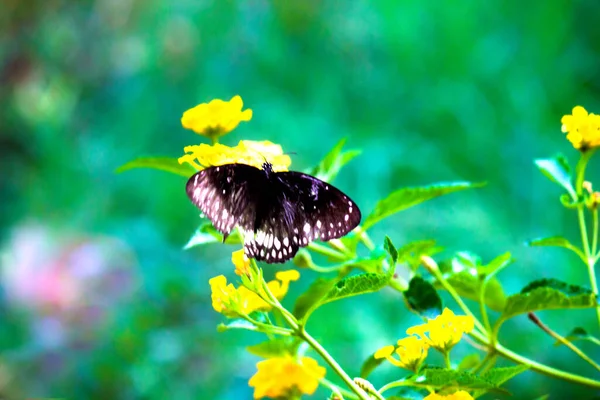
point(389, 247)
point(469, 362)
point(443, 378)
point(236, 324)
point(411, 196)
point(207, 234)
point(333, 162)
point(167, 164)
point(422, 298)
point(557, 170)
point(369, 366)
point(274, 347)
point(496, 265)
point(308, 301)
point(498, 376)
point(359, 284)
point(579, 333)
point(556, 241)
point(466, 275)
point(547, 294)
point(411, 252)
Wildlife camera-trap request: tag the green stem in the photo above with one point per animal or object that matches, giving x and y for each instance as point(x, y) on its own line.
point(595, 233)
point(589, 256)
point(338, 390)
point(327, 251)
point(364, 238)
point(447, 359)
point(333, 364)
point(483, 309)
point(433, 268)
point(536, 366)
point(301, 332)
point(561, 339)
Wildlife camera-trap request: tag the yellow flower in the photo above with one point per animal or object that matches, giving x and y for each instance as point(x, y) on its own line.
point(444, 331)
point(217, 117)
point(411, 352)
point(241, 262)
point(460, 395)
point(246, 152)
point(231, 301)
point(278, 376)
point(583, 129)
point(280, 287)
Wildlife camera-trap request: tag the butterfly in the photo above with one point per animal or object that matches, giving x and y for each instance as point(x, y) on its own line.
point(277, 212)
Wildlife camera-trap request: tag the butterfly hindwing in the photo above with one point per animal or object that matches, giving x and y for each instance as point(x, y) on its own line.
point(299, 209)
point(278, 212)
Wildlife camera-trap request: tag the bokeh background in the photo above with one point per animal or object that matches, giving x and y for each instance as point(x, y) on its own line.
point(98, 299)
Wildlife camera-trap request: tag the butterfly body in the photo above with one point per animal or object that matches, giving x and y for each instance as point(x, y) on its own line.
point(278, 212)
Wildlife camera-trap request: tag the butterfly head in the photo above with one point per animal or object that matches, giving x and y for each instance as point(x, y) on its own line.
point(267, 167)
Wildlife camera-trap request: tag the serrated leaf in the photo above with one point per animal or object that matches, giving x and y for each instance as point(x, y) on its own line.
point(308, 301)
point(422, 298)
point(498, 376)
point(274, 347)
point(370, 365)
point(236, 324)
point(207, 234)
point(557, 171)
point(470, 361)
point(167, 164)
point(358, 284)
point(547, 294)
point(447, 378)
point(389, 247)
point(579, 333)
point(333, 162)
point(411, 196)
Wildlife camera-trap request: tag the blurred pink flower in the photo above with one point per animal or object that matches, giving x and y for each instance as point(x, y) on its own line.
point(64, 278)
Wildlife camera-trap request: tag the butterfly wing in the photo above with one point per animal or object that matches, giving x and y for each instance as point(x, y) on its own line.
point(297, 209)
point(227, 194)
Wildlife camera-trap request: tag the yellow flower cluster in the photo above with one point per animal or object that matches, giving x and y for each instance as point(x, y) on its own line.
point(246, 152)
point(582, 129)
point(444, 332)
point(217, 117)
point(231, 301)
point(460, 395)
point(277, 377)
point(411, 352)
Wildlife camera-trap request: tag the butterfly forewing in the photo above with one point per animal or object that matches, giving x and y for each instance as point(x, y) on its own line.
point(226, 194)
point(278, 212)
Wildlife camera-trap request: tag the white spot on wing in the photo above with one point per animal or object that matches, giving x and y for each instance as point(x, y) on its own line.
point(306, 227)
point(286, 242)
point(319, 224)
point(346, 217)
point(277, 243)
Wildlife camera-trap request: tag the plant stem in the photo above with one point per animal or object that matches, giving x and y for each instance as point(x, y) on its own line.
point(333, 364)
point(327, 251)
point(447, 359)
point(561, 339)
point(590, 257)
point(301, 332)
point(536, 366)
point(338, 390)
point(595, 233)
point(364, 237)
point(433, 268)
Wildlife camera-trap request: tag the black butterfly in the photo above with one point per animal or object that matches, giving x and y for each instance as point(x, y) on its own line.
point(278, 212)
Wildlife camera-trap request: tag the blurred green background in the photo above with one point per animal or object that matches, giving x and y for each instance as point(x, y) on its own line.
point(98, 299)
